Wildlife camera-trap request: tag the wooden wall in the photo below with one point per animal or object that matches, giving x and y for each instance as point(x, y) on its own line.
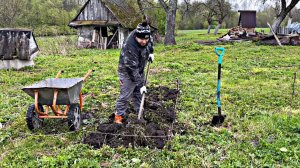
point(97, 37)
point(16, 45)
point(95, 10)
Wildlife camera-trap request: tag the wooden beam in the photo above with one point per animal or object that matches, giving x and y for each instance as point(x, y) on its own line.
point(112, 38)
point(274, 34)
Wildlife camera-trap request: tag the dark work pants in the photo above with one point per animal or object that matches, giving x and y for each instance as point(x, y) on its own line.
point(128, 90)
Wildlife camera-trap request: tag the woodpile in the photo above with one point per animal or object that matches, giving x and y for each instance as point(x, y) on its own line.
point(239, 33)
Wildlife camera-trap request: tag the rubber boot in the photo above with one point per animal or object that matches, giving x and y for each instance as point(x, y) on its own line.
point(118, 119)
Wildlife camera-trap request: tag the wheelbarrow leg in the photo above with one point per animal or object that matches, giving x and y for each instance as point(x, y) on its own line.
point(80, 101)
point(58, 111)
point(36, 103)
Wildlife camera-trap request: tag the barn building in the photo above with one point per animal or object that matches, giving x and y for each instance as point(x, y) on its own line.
point(105, 23)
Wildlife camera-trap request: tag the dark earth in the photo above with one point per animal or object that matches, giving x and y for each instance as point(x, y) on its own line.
point(153, 131)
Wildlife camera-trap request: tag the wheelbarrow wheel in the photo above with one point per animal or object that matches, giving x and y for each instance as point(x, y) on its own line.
point(32, 118)
point(74, 118)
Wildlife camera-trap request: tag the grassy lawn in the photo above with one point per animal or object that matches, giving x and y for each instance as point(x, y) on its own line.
point(258, 93)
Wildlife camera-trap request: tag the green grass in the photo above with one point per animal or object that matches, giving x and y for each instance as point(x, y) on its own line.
point(262, 127)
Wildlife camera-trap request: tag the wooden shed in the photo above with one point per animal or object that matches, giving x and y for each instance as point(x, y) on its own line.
point(105, 23)
point(247, 18)
point(17, 48)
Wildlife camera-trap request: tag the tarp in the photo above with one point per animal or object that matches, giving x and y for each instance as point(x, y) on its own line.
point(294, 27)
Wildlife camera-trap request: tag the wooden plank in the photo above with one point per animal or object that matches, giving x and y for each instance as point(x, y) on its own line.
point(2, 49)
point(104, 43)
point(274, 34)
point(112, 38)
point(96, 10)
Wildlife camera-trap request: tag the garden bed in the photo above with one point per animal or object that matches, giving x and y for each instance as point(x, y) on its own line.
point(154, 130)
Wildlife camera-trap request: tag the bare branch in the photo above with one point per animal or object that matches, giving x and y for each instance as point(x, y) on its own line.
point(283, 4)
point(141, 7)
point(164, 5)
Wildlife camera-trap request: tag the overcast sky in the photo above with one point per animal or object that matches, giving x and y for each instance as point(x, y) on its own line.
point(237, 4)
point(247, 4)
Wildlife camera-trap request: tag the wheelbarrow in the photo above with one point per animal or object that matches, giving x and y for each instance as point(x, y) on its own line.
point(53, 93)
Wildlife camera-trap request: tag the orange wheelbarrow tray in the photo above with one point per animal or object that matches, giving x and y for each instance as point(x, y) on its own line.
point(54, 93)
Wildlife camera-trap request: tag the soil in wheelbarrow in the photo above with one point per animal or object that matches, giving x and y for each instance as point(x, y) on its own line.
point(156, 128)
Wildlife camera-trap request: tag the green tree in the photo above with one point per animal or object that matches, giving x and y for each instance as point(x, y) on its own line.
point(10, 10)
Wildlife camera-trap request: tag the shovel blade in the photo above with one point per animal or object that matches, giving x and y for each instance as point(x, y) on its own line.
point(219, 119)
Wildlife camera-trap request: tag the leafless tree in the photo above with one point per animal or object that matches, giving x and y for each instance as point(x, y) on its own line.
point(218, 9)
point(283, 11)
point(209, 13)
point(222, 9)
point(209, 17)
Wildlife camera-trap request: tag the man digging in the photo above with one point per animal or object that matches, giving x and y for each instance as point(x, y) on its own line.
point(137, 50)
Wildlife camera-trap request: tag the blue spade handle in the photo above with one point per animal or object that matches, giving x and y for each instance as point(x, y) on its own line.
point(220, 56)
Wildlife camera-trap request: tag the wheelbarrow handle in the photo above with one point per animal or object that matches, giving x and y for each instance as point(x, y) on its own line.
point(88, 74)
point(220, 55)
point(59, 73)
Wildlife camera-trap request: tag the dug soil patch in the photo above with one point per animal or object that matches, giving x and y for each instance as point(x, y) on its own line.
point(153, 131)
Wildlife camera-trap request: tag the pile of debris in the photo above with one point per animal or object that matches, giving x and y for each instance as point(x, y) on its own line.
point(245, 34)
point(241, 34)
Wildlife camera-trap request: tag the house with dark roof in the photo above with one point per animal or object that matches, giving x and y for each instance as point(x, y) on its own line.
point(105, 23)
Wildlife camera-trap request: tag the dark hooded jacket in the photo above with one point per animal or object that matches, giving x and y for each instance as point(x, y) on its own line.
point(133, 58)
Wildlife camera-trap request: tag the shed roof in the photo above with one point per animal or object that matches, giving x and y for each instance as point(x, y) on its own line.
point(247, 11)
point(124, 13)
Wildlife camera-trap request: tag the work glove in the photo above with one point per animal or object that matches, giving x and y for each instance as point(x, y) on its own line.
point(151, 58)
point(143, 90)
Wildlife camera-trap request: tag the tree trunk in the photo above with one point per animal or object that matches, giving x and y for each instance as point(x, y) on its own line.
point(278, 21)
point(170, 23)
point(284, 11)
point(209, 21)
point(290, 19)
point(170, 20)
point(209, 27)
point(218, 27)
